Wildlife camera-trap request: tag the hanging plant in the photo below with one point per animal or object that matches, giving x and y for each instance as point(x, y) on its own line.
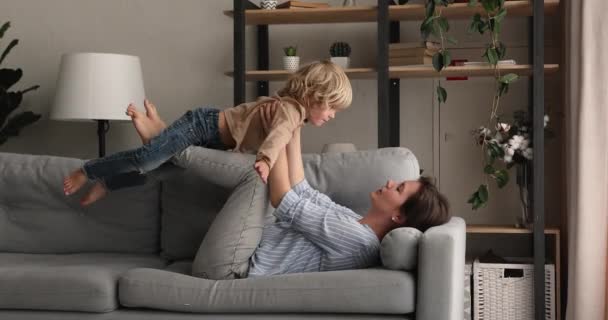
point(437, 26)
point(493, 147)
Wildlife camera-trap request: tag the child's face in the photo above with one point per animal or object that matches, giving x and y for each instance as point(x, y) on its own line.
point(319, 114)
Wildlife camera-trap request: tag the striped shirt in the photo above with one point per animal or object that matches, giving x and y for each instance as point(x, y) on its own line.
point(313, 233)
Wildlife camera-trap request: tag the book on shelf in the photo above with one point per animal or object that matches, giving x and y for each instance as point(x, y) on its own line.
point(413, 49)
point(410, 45)
point(408, 61)
point(302, 5)
point(483, 63)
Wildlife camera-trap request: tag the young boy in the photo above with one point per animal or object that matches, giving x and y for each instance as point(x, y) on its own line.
point(313, 94)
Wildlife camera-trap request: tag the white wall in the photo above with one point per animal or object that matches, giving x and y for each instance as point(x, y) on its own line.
point(186, 46)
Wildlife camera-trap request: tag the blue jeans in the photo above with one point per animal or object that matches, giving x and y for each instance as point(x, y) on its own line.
point(198, 127)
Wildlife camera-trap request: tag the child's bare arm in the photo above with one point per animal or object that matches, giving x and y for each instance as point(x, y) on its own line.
point(294, 159)
point(278, 180)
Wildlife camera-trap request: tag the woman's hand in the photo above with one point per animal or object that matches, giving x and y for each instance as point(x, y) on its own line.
point(267, 113)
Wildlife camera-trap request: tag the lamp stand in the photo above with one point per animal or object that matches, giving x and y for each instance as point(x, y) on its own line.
point(102, 128)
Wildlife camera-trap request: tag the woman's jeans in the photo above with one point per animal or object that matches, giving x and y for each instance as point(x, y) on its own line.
point(198, 127)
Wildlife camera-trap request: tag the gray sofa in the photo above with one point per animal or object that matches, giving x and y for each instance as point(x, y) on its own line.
point(129, 255)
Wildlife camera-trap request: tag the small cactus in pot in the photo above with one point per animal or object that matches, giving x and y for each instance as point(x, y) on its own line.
point(291, 61)
point(340, 54)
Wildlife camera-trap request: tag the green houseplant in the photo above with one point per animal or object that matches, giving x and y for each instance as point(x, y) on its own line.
point(291, 61)
point(10, 126)
point(340, 54)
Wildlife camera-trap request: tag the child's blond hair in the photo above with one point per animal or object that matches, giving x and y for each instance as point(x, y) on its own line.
point(319, 82)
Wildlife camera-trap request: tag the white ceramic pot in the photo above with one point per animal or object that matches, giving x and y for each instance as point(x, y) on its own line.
point(291, 63)
point(343, 62)
point(268, 4)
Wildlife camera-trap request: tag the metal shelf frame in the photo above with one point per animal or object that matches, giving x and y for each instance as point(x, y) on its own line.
point(388, 106)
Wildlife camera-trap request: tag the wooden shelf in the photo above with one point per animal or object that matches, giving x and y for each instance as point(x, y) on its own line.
point(497, 229)
point(368, 13)
point(408, 72)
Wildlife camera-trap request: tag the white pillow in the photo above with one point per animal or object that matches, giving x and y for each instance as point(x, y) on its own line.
point(399, 249)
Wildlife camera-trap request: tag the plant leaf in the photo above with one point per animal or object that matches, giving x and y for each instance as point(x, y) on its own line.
point(503, 88)
point(438, 61)
point(472, 3)
point(18, 122)
point(442, 95)
point(8, 77)
point(483, 193)
point(8, 49)
point(447, 58)
point(502, 178)
point(9, 101)
point(492, 56)
point(489, 169)
point(508, 78)
point(430, 9)
point(3, 29)
point(500, 15)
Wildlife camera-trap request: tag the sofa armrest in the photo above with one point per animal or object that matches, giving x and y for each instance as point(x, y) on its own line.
point(441, 272)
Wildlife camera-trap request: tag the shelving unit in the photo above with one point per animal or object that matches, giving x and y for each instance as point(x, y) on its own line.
point(421, 71)
point(387, 17)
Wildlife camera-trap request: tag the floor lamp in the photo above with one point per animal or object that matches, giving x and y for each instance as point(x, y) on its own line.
point(99, 87)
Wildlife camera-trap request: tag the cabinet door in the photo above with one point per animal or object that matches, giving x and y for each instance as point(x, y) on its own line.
point(461, 160)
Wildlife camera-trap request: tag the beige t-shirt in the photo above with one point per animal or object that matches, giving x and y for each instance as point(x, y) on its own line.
point(245, 125)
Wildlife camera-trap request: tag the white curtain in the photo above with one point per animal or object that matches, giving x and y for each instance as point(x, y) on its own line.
point(587, 162)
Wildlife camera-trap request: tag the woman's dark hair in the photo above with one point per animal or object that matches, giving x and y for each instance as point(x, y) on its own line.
point(426, 208)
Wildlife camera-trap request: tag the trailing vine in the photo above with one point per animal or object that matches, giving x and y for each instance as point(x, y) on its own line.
point(437, 26)
point(491, 144)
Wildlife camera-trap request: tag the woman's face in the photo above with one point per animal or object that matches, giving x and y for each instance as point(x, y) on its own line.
point(390, 197)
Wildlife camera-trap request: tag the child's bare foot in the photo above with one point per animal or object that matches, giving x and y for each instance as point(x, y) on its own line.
point(74, 182)
point(152, 114)
point(97, 192)
point(149, 125)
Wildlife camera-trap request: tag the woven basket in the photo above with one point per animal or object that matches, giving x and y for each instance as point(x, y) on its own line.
point(506, 291)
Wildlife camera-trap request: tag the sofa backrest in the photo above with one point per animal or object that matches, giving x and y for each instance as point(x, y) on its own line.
point(189, 204)
point(36, 217)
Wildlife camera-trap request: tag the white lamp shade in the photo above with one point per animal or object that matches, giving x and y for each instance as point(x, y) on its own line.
point(97, 86)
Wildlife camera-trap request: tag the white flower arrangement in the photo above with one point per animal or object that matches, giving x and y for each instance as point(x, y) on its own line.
point(508, 143)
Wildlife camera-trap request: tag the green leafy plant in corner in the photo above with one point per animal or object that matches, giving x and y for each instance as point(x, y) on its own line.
point(490, 21)
point(10, 126)
point(437, 26)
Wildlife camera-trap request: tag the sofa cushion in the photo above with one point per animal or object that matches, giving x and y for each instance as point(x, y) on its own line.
point(353, 291)
point(70, 282)
point(399, 249)
point(190, 204)
point(36, 217)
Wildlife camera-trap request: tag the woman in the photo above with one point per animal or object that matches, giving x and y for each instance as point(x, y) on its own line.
point(312, 233)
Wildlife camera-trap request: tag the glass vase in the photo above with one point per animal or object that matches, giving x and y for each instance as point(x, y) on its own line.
point(525, 219)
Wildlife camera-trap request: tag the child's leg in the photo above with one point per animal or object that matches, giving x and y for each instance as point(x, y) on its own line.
point(191, 129)
point(175, 138)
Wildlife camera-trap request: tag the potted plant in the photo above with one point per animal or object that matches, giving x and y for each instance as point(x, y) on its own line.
point(10, 100)
point(291, 61)
point(340, 54)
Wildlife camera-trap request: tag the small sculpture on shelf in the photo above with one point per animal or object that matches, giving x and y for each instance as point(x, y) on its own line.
point(340, 54)
point(268, 4)
point(291, 61)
